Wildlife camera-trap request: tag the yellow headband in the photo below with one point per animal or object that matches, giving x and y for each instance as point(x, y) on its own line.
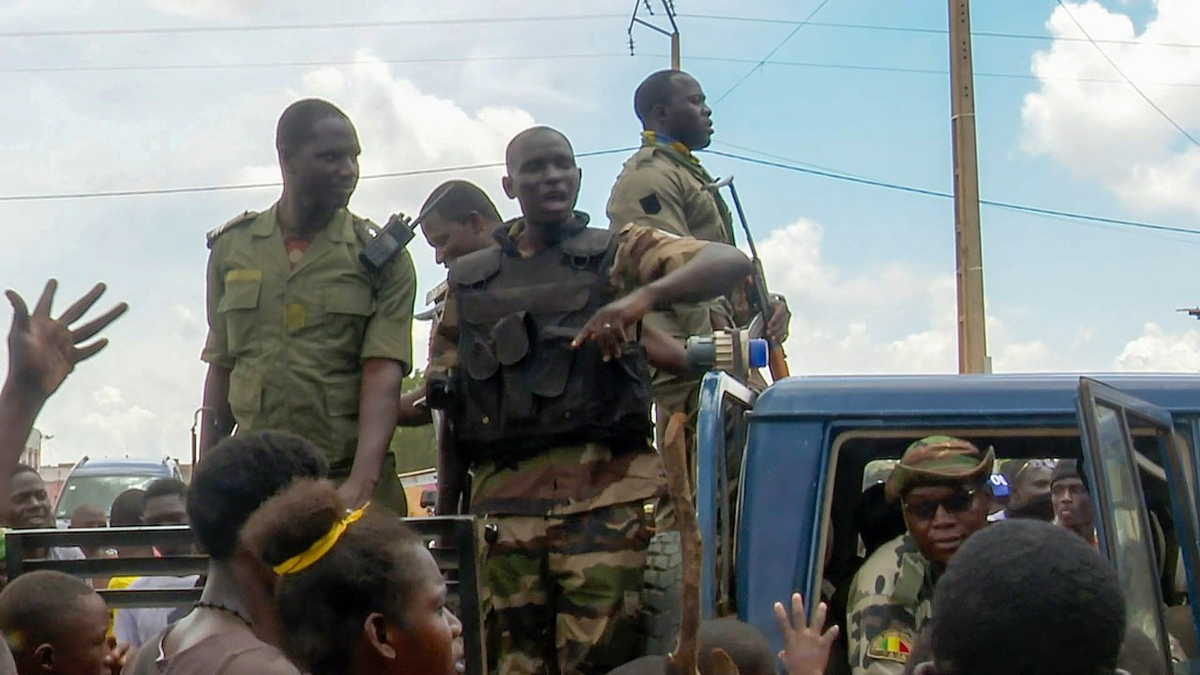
point(320, 547)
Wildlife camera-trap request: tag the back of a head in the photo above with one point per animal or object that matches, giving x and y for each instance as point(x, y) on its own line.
point(127, 508)
point(460, 198)
point(34, 606)
point(655, 90)
point(746, 646)
point(1027, 583)
point(323, 606)
point(646, 665)
point(237, 476)
point(166, 487)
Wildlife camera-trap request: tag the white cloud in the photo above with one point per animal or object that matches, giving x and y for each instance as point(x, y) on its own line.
point(1105, 131)
point(889, 320)
point(1159, 350)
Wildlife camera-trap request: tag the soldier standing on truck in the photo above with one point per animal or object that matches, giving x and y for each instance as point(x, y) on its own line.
point(303, 336)
point(539, 367)
point(664, 186)
point(943, 489)
point(462, 221)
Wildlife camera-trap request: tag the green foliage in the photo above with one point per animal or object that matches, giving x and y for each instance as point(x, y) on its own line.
point(415, 447)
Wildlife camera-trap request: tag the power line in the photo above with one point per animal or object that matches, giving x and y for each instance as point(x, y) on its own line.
point(546, 57)
point(787, 164)
point(772, 52)
point(931, 31)
point(1125, 77)
point(63, 196)
point(94, 32)
point(946, 195)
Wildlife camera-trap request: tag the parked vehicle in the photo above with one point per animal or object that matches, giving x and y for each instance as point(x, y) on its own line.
point(98, 482)
point(809, 441)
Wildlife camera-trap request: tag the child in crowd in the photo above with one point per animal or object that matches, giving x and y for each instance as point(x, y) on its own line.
point(56, 625)
point(358, 593)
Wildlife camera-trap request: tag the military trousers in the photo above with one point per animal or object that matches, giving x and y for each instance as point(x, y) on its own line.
point(561, 594)
point(388, 491)
point(684, 397)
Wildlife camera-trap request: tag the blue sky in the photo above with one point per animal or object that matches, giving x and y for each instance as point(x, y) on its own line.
point(869, 271)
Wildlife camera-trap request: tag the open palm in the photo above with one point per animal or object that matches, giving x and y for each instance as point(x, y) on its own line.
point(42, 350)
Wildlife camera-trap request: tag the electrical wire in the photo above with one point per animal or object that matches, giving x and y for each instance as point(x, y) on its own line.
point(946, 195)
point(932, 31)
point(1125, 77)
point(95, 32)
point(771, 53)
point(62, 196)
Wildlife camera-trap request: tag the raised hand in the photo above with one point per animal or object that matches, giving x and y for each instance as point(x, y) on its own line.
point(43, 351)
point(805, 647)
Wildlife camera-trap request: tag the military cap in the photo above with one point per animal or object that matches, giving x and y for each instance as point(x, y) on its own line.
point(938, 460)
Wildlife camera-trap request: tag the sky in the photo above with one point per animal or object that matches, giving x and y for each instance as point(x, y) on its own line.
point(134, 95)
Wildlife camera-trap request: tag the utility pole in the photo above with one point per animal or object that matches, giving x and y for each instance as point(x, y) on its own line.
point(972, 331)
point(669, 9)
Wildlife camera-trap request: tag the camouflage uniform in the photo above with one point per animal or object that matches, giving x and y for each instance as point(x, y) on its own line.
point(889, 605)
point(890, 597)
point(562, 582)
point(663, 186)
point(295, 334)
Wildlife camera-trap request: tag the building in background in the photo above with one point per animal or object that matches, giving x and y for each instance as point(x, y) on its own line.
point(32, 454)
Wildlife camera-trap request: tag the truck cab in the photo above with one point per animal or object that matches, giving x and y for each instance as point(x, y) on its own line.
point(790, 501)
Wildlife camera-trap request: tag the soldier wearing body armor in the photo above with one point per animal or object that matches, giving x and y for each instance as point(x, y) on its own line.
point(538, 365)
point(943, 488)
point(302, 335)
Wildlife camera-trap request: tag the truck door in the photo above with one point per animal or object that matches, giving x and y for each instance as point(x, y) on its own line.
point(1109, 422)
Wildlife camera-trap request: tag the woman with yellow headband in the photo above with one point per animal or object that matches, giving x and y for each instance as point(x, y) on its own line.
point(357, 591)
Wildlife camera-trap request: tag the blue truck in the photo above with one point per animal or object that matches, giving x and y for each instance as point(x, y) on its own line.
point(788, 515)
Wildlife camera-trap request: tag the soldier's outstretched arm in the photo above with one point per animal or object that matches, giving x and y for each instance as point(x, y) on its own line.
point(654, 269)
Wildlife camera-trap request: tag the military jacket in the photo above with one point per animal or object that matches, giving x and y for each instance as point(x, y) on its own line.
point(295, 338)
point(889, 603)
point(664, 188)
point(566, 479)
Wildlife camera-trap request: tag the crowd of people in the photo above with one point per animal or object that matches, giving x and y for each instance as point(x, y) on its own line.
point(552, 340)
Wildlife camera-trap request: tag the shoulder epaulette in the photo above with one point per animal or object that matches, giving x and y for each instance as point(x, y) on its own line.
point(245, 217)
point(364, 226)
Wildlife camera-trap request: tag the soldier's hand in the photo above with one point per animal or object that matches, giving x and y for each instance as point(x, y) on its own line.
point(781, 317)
point(607, 326)
point(117, 657)
point(355, 492)
point(805, 647)
point(43, 351)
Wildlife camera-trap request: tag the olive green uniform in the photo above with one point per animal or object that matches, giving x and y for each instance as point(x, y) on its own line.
point(663, 186)
point(890, 601)
point(295, 338)
point(562, 581)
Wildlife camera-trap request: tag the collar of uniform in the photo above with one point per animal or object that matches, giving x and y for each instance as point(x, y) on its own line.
point(340, 227)
point(517, 225)
point(666, 142)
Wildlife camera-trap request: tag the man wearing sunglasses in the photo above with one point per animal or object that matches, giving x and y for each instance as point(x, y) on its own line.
point(942, 486)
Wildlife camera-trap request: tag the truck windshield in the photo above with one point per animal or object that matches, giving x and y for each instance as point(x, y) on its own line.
point(98, 491)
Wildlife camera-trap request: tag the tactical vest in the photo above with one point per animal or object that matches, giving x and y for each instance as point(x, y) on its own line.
point(519, 386)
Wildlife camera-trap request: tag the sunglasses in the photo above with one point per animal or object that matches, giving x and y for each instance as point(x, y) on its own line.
point(958, 502)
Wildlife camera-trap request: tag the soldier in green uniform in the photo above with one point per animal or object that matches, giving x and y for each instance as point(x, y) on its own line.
point(537, 362)
point(664, 186)
point(943, 488)
point(303, 337)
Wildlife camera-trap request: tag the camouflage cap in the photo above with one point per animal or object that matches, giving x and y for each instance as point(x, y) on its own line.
point(938, 460)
